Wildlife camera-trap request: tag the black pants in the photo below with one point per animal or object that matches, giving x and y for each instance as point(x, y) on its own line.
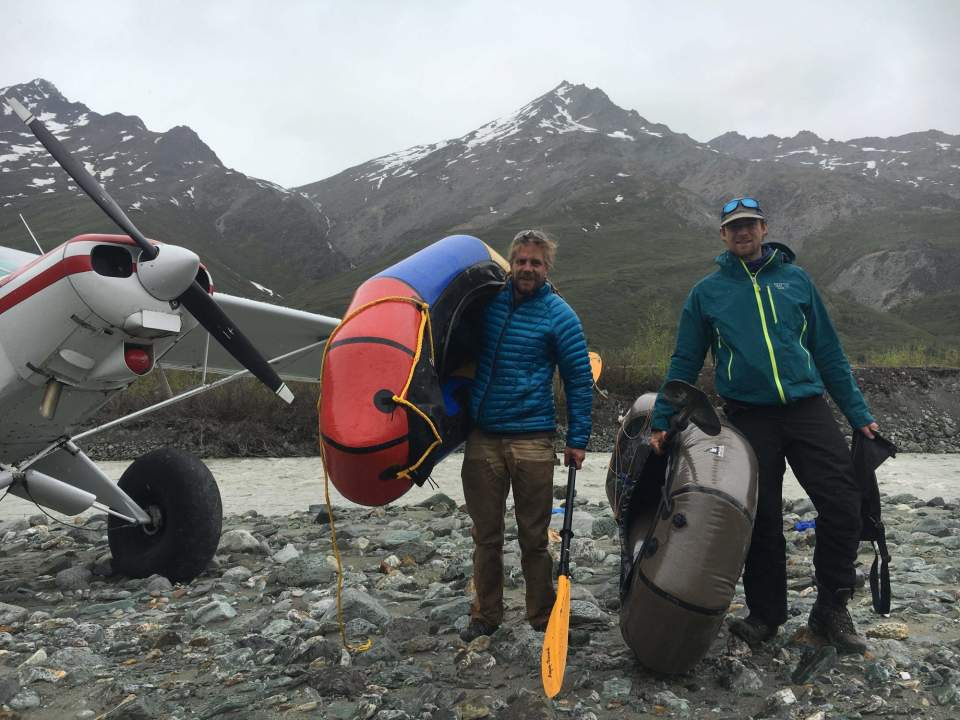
point(805, 434)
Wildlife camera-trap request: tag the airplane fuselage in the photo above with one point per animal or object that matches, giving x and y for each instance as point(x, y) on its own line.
point(76, 325)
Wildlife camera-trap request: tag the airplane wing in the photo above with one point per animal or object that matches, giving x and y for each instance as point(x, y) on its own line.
point(275, 329)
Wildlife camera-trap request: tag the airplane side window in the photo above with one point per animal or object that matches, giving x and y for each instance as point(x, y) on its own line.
point(111, 261)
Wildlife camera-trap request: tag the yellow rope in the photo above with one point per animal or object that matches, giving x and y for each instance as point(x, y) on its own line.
point(405, 474)
point(425, 329)
point(401, 399)
point(368, 643)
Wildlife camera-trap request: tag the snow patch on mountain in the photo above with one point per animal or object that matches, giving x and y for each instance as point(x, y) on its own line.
point(263, 288)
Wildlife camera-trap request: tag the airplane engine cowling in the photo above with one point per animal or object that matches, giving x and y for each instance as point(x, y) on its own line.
point(685, 526)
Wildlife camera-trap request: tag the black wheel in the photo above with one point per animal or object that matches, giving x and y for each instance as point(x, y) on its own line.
point(181, 496)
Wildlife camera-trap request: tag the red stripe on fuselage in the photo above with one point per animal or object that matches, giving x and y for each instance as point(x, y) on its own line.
point(90, 237)
point(68, 266)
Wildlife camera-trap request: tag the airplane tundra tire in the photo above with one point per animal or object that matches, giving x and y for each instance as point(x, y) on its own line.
point(179, 493)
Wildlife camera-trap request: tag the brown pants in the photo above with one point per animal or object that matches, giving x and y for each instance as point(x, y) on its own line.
point(491, 464)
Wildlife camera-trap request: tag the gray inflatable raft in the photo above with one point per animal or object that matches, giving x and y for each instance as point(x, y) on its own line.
point(685, 521)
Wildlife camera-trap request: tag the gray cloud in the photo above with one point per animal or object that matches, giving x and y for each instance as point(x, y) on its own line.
point(296, 91)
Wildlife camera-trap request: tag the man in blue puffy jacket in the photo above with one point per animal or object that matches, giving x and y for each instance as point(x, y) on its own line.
point(775, 350)
point(528, 332)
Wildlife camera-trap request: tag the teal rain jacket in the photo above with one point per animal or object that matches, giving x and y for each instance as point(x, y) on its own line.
point(522, 346)
point(771, 338)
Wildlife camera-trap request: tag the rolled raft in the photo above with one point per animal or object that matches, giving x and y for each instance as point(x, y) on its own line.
point(685, 521)
point(396, 374)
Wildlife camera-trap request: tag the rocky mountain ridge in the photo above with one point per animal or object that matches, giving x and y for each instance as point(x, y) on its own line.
point(633, 203)
point(575, 162)
point(172, 183)
point(928, 160)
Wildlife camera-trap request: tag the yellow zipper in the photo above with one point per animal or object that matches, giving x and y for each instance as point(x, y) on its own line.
point(802, 331)
point(772, 306)
point(763, 324)
point(721, 343)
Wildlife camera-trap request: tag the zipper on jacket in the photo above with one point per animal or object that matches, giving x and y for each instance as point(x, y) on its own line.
point(763, 323)
point(802, 331)
point(493, 364)
point(772, 306)
point(721, 344)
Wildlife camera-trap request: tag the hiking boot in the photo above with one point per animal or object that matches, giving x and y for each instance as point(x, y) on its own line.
point(830, 620)
point(475, 629)
point(752, 630)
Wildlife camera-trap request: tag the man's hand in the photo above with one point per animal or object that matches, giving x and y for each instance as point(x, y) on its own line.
point(870, 429)
point(573, 456)
point(657, 438)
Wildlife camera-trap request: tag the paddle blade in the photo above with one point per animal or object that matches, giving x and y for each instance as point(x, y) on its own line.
point(553, 660)
point(596, 365)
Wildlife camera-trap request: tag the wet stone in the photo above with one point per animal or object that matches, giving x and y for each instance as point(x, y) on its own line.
point(740, 679)
point(813, 662)
point(9, 685)
point(583, 612)
point(603, 527)
point(439, 503)
point(240, 541)
point(528, 705)
point(26, 699)
point(12, 615)
point(449, 612)
point(306, 571)
point(395, 538)
point(407, 627)
point(286, 554)
point(213, 612)
point(418, 551)
point(237, 574)
point(617, 688)
point(889, 631)
point(280, 656)
point(74, 578)
point(354, 603)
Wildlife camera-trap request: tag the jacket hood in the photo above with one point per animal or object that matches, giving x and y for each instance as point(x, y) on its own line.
point(727, 260)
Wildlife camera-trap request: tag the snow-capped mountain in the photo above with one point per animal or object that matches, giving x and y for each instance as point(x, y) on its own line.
point(633, 203)
point(929, 160)
point(173, 185)
point(596, 173)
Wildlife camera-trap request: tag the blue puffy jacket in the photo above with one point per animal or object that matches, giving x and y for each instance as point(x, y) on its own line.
point(522, 345)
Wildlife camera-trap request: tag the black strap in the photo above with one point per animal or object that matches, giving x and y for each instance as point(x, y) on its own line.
point(880, 581)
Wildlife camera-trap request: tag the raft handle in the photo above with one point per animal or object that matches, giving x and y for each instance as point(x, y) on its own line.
point(383, 401)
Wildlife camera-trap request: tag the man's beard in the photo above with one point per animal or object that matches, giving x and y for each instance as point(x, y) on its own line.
point(537, 284)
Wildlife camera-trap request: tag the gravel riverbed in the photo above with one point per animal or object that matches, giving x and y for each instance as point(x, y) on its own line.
point(257, 635)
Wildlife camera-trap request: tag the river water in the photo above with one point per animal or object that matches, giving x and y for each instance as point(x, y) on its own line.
point(278, 486)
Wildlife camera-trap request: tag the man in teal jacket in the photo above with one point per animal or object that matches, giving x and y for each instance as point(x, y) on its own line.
point(528, 332)
point(775, 351)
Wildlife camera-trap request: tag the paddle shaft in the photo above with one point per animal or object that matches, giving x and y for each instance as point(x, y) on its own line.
point(567, 532)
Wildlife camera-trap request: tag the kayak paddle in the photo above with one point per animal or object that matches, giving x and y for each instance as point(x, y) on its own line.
point(553, 659)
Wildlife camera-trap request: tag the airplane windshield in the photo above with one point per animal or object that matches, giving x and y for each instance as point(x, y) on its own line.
point(11, 260)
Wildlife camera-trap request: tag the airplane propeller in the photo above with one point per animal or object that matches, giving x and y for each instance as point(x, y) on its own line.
point(173, 280)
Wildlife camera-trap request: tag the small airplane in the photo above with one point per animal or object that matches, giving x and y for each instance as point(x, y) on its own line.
point(82, 322)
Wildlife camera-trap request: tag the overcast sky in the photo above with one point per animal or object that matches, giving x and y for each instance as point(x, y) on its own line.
point(295, 91)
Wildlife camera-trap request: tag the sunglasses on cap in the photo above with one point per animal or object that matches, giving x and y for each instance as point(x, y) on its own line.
point(746, 202)
point(529, 235)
